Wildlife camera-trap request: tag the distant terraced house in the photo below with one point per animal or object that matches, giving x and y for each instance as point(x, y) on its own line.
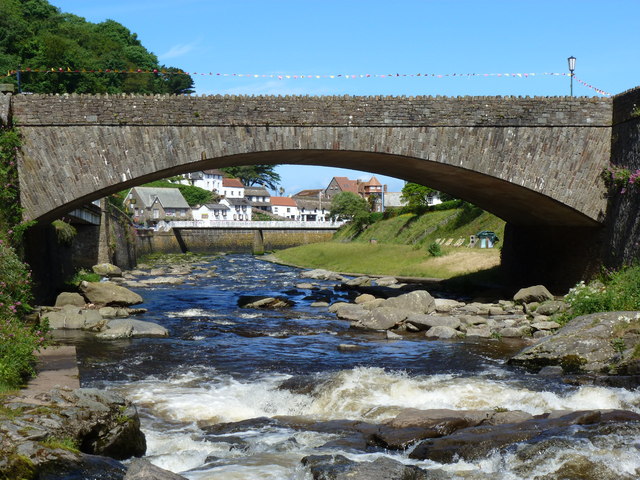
point(149, 205)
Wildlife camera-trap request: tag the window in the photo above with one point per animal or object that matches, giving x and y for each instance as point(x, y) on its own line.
point(156, 213)
point(205, 216)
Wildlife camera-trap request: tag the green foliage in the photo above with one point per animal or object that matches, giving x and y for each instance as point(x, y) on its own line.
point(618, 291)
point(65, 232)
point(38, 36)
point(18, 341)
point(193, 195)
point(349, 206)
point(80, 276)
point(435, 250)
point(416, 195)
point(64, 443)
point(250, 175)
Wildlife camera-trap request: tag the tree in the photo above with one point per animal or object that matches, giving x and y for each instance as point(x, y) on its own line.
point(416, 195)
point(349, 206)
point(250, 175)
point(35, 35)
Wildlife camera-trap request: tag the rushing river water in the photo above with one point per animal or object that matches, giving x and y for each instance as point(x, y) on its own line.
point(225, 364)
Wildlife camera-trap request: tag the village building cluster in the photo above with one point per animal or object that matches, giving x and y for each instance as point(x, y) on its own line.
point(237, 202)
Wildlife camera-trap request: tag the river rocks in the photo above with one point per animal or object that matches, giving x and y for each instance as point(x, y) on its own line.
point(584, 344)
point(418, 301)
point(140, 469)
point(107, 270)
point(418, 311)
point(96, 422)
point(475, 443)
point(70, 298)
point(272, 303)
point(320, 274)
point(442, 332)
point(537, 293)
point(126, 328)
point(338, 467)
point(110, 294)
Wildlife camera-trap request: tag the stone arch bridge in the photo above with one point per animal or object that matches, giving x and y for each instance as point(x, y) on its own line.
point(535, 162)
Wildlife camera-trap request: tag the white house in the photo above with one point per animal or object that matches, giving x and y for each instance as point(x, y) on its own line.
point(212, 212)
point(151, 204)
point(258, 197)
point(208, 179)
point(240, 208)
point(285, 207)
point(232, 188)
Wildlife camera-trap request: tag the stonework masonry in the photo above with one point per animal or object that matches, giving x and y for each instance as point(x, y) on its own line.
point(533, 161)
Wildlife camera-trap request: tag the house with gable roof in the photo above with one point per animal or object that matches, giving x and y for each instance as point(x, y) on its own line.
point(152, 204)
point(232, 188)
point(312, 206)
point(367, 189)
point(285, 207)
point(210, 180)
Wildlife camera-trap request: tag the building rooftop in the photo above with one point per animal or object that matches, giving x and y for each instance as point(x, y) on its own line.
point(283, 201)
point(168, 197)
point(232, 182)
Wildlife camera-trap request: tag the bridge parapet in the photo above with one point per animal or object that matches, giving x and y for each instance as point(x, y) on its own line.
point(217, 110)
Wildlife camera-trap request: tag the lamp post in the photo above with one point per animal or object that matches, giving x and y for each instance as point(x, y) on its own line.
point(572, 66)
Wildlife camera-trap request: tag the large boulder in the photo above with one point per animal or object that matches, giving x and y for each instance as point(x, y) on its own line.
point(97, 422)
point(107, 270)
point(382, 318)
point(585, 344)
point(418, 301)
point(425, 322)
point(128, 327)
point(537, 293)
point(140, 469)
point(337, 467)
point(70, 298)
point(108, 293)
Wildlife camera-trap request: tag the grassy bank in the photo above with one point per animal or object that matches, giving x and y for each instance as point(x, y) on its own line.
point(401, 246)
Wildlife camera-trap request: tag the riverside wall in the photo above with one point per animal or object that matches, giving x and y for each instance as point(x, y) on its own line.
point(201, 240)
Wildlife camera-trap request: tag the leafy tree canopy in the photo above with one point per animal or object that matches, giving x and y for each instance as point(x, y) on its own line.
point(416, 195)
point(193, 195)
point(348, 206)
point(37, 35)
point(250, 175)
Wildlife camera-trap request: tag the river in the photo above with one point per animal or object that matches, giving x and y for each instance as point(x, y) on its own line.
point(226, 364)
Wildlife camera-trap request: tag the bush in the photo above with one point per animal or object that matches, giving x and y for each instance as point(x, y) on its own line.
point(618, 291)
point(434, 250)
point(18, 344)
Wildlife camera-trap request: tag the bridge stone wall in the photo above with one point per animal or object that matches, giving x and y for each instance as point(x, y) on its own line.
point(533, 161)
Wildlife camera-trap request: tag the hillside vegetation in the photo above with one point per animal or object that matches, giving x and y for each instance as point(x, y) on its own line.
point(400, 246)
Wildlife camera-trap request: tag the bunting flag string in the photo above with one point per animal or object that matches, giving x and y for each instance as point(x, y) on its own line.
point(68, 70)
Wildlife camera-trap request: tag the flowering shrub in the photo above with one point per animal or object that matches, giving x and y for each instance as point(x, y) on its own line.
point(18, 340)
point(619, 178)
point(619, 291)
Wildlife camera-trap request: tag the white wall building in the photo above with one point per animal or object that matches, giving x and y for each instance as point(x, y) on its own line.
point(285, 207)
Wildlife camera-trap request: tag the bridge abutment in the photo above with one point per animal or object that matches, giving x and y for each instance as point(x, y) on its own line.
point(557, 257)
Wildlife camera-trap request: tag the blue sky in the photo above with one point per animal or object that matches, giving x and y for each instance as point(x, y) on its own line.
point(380, 37)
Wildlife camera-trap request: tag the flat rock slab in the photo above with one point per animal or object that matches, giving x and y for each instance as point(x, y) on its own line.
point(57, 367)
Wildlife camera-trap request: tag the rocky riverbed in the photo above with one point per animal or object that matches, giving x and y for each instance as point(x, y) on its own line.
point(309, 374)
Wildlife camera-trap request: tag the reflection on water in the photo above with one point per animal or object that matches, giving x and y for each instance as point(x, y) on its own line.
point(226, 364)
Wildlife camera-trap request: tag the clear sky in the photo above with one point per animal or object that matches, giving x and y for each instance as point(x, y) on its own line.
point(382, 37)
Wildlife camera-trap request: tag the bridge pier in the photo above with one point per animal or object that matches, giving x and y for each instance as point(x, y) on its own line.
point(557, 257)
point(258, 242)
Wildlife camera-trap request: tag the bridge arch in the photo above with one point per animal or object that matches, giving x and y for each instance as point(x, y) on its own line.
point(530, 161)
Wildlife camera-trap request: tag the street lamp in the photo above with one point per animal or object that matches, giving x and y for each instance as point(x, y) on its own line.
point(572, 66)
